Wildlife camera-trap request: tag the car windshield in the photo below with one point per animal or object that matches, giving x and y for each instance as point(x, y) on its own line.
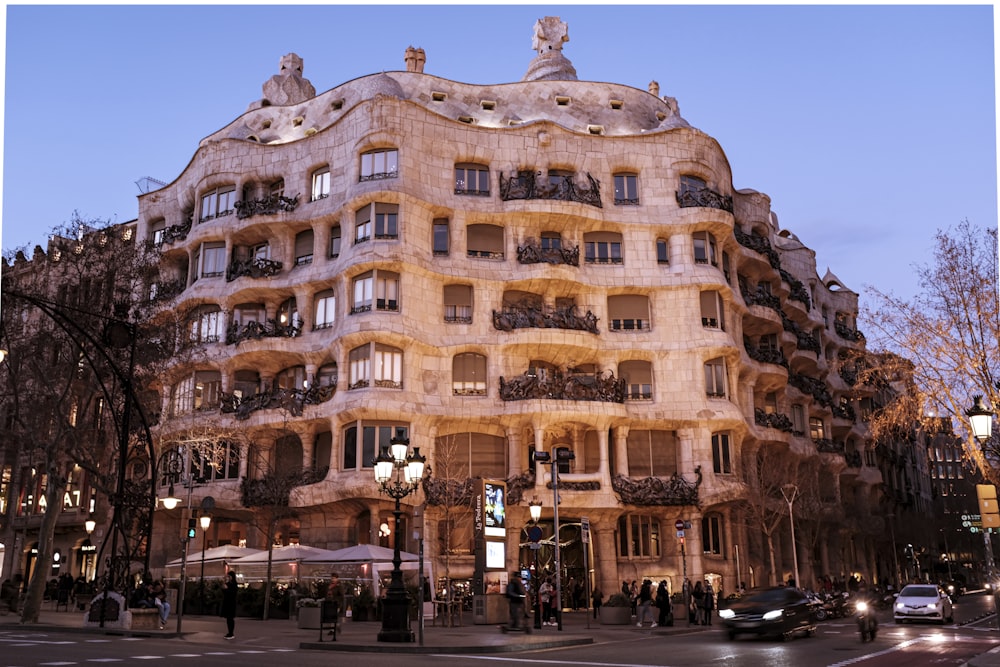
point(774, 596)
point(919, 592)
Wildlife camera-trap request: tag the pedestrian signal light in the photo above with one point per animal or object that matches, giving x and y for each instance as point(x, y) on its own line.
point(191, 529)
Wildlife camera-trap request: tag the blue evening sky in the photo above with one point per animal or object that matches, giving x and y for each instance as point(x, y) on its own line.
point(870, 127)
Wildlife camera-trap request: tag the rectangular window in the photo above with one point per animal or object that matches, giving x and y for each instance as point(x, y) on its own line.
point(651, 453)
point(335, 242)
point(376, 165)
point(705, 248)
point(816, 430)
point(326, 308)
point(662, 252)
point(721, 454)
point(304, 247)
point(363, 225)
point(360, 367)
point(207, 390)
point(472, 179)
point(374, 437)
point(798, 420)
point(386, 221)
point(217, 203)
point(363, 287)
point(321, 184)
point(387, 292)
point(388, 366)
point(441, 237)
point(712, 313)
point(639, 536)
point(458, 303)
point(711, 535)
point(626, 190)
point(213, 259)
point(602, 248)
point(715, 378)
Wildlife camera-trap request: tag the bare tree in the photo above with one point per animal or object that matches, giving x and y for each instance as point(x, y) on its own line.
point(71, 320)
point(763, 473)
point(947, 339)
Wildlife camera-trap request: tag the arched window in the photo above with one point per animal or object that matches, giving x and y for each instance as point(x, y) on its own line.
point(715, 378)
point(321, 184)
point(379, 164)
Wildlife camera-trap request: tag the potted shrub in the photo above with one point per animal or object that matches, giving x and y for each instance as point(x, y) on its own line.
point(308, 613)
point(616, 610)
point(363, 607)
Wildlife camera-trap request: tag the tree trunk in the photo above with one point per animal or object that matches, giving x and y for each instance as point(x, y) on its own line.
point(54, 490)
point(773, 575)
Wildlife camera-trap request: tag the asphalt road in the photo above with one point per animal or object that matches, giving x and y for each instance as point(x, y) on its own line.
point(836, 644)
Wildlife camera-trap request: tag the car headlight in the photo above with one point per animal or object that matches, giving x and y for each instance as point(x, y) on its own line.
point(726, 613)
point(900, 605)
point(932, 605)
point(771, 615)
point(862, 606)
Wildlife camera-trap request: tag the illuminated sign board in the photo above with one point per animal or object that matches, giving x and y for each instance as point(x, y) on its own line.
point(494, 509)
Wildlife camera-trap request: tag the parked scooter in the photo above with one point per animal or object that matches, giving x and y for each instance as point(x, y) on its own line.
point(867, 622)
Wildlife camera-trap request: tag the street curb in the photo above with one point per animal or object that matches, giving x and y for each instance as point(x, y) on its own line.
point(408, 647)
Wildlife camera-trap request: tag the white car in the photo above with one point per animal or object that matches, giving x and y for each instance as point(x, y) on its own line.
point(922, 602)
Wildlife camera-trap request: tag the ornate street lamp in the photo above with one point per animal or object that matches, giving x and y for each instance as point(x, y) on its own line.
point(534, 534)
point(398, 474)
point(980, 419)
point(206, 521)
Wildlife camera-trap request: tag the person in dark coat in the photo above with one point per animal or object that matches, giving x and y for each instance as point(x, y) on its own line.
point(229, 605)
point(665, 616)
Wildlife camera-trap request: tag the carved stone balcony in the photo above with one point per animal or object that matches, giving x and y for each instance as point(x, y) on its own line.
point(255, 268)
point(531, 253)
point(656, 491)
point(827, 446)
point(254, 330)
point(758, 244)
point(526, 317)
point(759, 297)
point(803, 339)
point(525, 185)
point(292, 400)
point(267, 206)
point(705, 198)
point(562, 385)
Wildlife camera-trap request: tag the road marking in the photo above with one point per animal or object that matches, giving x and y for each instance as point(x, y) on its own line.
point(98, 641)
point(549, 662)
point(147, 657)
point(55, 664)
point(104, 659)
point(185, 655)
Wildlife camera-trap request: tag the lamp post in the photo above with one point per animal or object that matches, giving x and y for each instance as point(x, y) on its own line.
point(981, 424)
point(534, 534)
point(205, 520)
point(398, 473)
point(790, 492)
point(89, 549)
point(171, 502)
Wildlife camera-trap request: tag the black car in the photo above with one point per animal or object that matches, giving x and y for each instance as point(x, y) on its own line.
point(778, 611)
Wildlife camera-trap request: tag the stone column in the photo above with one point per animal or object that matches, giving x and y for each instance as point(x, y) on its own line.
point(621, 450)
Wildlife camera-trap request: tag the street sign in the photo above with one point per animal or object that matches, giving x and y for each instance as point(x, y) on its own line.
point(534, 534)
point(680, 534)
point(679, 524)
point(585, 530)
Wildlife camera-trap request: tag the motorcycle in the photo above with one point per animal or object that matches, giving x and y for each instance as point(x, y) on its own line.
point(867, 622)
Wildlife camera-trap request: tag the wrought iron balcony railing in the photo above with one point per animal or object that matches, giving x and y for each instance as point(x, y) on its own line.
point(766, 355)
point(847, 333)
point(266, 206)
point(255, 268)
point(562, 385)
point(292, 400)
point(177, 232)
point(531, 253)
point(772, 420)
point(758, 244)
point(828, 446)
point(255, 330)
point(529, 316)
point(705, 198)
point(656, 491)
point(525, 185)
point(798, 289)
point(815, 388)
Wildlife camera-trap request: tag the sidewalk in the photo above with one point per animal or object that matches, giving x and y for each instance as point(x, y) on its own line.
point(363, 636)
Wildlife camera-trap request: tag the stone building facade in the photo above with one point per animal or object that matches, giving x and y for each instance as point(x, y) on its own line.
point(489, 271)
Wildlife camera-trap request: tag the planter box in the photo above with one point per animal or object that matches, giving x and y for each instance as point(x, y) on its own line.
point(616, 615)
point(309, 618)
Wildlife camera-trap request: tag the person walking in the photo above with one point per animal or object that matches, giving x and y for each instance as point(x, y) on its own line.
point(662, 601)
point(516, 595)
point(545, 594)
point(645, 600)
point(335, 595)
point(229, 605)
point(597, 597)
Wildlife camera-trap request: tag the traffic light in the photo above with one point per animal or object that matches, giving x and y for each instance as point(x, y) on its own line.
point(192, 525)
point(563, 456)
